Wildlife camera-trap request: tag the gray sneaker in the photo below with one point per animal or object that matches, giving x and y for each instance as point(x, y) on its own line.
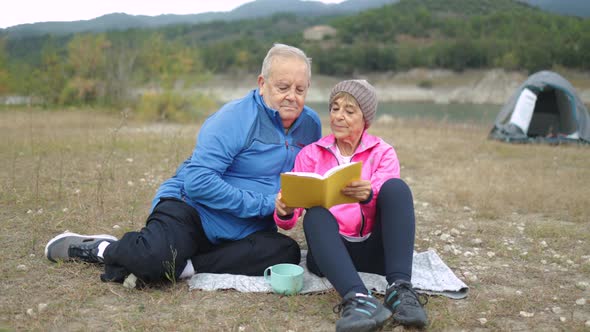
point(360, 313)
point(72, 246)
point(407, 306)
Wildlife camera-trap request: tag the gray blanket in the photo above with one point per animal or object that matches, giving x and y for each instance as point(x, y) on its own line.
point(430, 275)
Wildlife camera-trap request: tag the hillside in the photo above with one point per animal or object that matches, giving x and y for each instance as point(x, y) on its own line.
point(254, 9)
point(454, 35)
point(251, 10)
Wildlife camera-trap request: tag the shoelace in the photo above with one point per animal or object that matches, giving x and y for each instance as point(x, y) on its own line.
point(84, 251)
point(338, 308)
point(421, 298)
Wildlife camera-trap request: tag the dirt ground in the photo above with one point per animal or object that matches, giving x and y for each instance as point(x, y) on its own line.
point(511, 221)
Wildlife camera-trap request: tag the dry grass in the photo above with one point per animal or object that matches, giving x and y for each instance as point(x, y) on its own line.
point(510, 220)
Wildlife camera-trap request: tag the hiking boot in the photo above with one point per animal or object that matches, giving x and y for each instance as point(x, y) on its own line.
point(360, 312)
point(72, 246)
point(404, 302)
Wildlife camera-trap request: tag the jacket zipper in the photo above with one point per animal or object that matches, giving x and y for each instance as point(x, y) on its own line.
point(362, 223)
point(362, 215)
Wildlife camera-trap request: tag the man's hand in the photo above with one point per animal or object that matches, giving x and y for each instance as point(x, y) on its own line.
point(282, 209)
point(360, 190)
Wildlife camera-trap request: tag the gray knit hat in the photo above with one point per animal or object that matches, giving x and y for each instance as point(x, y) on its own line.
point(365, 96)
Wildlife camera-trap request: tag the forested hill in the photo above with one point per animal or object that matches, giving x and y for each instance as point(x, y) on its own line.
point(250, 10)
point(453, 34)
point(457, 34)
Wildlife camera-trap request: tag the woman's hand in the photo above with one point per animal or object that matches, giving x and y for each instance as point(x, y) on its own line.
point(282, 209)
point(360, 190)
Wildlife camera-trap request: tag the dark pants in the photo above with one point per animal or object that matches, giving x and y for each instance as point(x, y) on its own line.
point(174, 233)
point(388, 251)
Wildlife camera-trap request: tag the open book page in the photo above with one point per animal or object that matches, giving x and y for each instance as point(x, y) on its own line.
point(301, 190)
point(308, 174)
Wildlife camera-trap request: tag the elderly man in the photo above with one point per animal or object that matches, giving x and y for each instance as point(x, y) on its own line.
point(215, 214)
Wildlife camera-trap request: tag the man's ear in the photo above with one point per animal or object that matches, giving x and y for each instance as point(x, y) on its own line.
point(261, 83)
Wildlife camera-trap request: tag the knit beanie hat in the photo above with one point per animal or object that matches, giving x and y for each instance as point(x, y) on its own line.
point(365, 96)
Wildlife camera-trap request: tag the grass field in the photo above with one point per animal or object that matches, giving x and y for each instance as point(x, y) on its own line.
point(512, 221)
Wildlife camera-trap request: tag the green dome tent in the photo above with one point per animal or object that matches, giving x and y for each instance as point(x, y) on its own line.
point(544, 109)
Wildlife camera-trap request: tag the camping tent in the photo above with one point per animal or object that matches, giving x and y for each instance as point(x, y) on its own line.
point(545, 108)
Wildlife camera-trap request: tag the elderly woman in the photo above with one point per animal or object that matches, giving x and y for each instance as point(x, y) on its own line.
point(375, 235)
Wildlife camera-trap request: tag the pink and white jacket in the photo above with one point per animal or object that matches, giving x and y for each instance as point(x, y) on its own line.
point(380, 163)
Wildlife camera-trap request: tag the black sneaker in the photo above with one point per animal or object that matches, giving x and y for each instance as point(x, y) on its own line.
point(72, 246)
point(404, 302)
point(360, 312)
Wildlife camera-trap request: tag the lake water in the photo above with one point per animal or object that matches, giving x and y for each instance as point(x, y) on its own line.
point(456, 113)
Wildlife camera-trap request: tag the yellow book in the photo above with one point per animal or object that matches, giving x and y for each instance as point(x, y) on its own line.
point(304, 189)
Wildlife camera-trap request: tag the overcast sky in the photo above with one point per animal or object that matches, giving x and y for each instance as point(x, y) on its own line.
point(16, 12)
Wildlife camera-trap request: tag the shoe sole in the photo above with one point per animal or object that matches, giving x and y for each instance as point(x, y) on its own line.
point(66, 234)
point(409, 322)
point(374, 324)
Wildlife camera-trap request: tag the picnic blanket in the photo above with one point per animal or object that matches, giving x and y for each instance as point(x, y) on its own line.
point(430, 275)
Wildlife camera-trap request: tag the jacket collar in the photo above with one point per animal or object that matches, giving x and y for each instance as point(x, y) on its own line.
point(368, 141)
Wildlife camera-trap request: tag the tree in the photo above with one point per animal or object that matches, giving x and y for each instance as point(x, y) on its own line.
point(3, 68)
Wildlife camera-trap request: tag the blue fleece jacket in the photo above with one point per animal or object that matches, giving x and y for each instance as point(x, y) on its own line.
point(233, 175)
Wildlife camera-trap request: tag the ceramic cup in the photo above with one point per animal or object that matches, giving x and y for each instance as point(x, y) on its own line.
point(286, 279)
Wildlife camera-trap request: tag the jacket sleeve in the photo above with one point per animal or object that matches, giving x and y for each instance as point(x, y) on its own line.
point(303, 163)
point(220, 140)
point(387, 168)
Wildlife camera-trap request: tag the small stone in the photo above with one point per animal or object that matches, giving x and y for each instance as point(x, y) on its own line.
point(543, 261)
point(446, 237)
point(41, 307)
point(29, 211)
point(482, 321)
point(242, 328)
point(21, 267)
point(476, 241)
point(527, 314)
point(64, 210)
point(31, 312)
point(556, 310)
point(543, 244)
point(581, 301)
point(519, 293)
point(466, 208)
point(582, 285)
point(116, 226)
point(130, 183)
point(130, 282)
point(562, 319)
point(491, 254)
point(32, 255)
point(587, 323)
point(470, 276)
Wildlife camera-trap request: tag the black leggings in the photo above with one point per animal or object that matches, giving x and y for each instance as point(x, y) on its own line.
point(388, 251)
point(174, 233)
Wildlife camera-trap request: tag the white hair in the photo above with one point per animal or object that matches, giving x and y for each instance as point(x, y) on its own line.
point(286, 51)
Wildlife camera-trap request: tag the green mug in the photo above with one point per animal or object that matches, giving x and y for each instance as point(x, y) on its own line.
point(286, 279)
